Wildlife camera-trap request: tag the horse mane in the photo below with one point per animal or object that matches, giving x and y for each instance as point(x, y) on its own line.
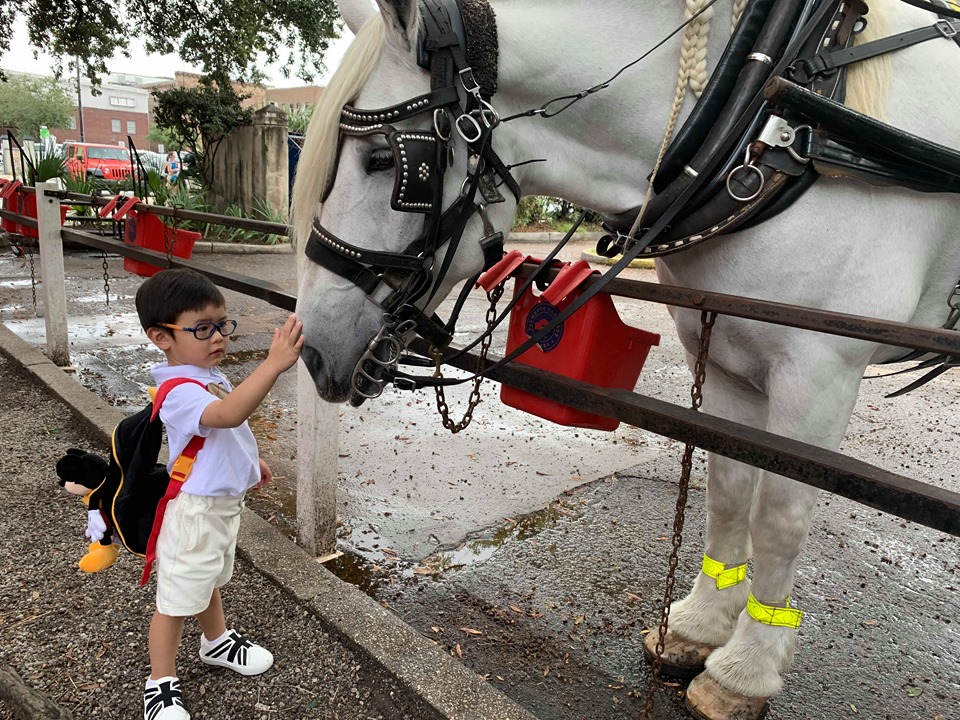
point(868, 82)
point(316, 165)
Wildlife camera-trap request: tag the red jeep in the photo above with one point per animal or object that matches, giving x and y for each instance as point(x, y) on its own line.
point(109, 163)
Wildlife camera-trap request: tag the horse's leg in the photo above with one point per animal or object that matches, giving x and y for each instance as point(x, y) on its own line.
point(811, 403)
point(705, 619)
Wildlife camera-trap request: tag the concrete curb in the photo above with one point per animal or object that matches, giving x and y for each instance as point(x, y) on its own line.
point(445, 687)
point(208, 246)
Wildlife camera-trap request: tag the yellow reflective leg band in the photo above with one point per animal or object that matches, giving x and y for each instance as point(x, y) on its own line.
point(777, 616)
point(725, 577)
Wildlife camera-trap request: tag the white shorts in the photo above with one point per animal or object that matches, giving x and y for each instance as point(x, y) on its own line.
point(195, 551)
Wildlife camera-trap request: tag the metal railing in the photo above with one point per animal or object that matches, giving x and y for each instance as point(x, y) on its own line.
point(861, 482)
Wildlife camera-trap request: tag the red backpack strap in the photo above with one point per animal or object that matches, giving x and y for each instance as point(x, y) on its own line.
point(178, 476)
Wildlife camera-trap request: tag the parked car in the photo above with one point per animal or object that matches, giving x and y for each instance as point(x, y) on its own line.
point(151, 160)
point(109, 163)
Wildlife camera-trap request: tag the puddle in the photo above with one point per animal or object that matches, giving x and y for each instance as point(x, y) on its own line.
point(15, 283)
point(120, 329)
point(518, 529)
point(100, 298)
point(243, 356)
point(373, 566)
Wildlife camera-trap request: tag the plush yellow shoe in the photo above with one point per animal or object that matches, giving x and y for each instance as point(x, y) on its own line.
point(99, 557)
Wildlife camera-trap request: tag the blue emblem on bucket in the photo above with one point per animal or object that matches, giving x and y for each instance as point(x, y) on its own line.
point(130, 229)
point(538, 317)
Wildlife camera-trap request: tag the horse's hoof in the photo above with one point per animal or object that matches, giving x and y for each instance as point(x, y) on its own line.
point(682, 659)
point(709, 700)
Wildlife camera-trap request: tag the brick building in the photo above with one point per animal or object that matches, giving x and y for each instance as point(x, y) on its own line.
point(121, 109)
point(295, 98)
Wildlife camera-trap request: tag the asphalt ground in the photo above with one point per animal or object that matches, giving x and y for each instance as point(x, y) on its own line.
point(543, 576)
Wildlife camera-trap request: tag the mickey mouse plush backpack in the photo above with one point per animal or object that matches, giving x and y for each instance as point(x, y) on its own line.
point(133, 494)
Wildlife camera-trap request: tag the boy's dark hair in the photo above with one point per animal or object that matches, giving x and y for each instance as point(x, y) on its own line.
point(163, 297)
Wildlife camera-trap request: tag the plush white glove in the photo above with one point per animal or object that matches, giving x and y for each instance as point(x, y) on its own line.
point(96, 526)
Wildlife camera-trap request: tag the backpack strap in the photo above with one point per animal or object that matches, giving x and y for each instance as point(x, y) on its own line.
point(178, 475)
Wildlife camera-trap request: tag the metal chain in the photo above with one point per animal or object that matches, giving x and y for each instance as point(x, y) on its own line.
point(707, 320)
point(106, 277)
point(170, 236)
point(28, 249)
point(493, 296)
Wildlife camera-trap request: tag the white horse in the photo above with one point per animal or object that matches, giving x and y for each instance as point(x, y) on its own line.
point(845, 246)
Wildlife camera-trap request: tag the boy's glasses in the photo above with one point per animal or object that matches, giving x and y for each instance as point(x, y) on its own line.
point(205, 330)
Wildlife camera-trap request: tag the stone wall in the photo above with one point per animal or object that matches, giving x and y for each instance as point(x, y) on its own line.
point(251, 165)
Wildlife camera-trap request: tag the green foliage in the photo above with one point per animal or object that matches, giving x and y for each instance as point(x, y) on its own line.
point(200, 117)
point(26, 103)
point(234, 38)
point(163, 137)
point(532, 210)
point(298, 120)
point(84, 185)
point(554, 213)
point(51, 166)
point(262, 211)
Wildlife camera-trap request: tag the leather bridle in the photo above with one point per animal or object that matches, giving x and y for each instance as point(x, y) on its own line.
point(401, 283)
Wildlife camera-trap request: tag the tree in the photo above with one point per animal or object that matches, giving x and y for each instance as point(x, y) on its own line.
point(162, 137)
point(233, 38)
point(27, 102)
point(200, 117)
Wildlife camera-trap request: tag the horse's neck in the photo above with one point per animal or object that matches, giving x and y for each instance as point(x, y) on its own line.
point(601, 149)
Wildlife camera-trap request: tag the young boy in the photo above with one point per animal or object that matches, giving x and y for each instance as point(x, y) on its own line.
point(184, 314)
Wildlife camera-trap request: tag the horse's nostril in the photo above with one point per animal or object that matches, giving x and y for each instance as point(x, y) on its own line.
point(312, 359)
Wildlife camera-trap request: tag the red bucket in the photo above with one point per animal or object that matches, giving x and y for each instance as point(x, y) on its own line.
point(10, 197)
point(28, 207)
point(148, 231)
point(593, 345)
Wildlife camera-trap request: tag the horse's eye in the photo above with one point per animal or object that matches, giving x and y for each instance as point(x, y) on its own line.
point(380, 159)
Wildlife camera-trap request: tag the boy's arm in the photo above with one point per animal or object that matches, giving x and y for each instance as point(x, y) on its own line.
point(239, 405)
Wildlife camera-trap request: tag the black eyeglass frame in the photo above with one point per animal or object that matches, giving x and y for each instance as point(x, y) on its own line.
point(219, 327)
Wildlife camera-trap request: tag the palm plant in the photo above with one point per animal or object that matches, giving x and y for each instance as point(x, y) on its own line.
point(52, 166)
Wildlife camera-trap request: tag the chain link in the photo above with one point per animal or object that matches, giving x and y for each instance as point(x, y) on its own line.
point(106, 277)
point(707, 320)
point(493, 296)
point(28, 249)
point(170, 235)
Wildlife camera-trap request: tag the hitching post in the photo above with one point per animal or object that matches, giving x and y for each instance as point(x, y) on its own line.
point(51, 272)
point(318, 448)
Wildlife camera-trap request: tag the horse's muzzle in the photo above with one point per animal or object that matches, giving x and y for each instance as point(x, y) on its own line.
point(327, 386)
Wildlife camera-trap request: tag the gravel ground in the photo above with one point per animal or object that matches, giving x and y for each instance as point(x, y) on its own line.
point(82, 638)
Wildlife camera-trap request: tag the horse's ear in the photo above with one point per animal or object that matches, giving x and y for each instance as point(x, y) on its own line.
point(401, 19)
point(355, 13)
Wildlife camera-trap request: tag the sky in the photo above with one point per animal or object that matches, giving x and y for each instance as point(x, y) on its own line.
point(20, 58)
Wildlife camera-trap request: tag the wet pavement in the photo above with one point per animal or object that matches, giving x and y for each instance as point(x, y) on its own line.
point(536, 553)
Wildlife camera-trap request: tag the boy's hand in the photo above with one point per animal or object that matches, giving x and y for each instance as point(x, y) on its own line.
point(287, 342)
point(266, 475)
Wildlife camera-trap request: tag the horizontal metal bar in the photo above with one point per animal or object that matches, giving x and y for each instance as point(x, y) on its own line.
point(861, 482)
point(21, 219)
point(268, 228)
point(266, 291)
point(887, 332)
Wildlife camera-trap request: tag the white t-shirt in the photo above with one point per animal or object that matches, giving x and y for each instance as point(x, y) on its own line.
point(228, 463)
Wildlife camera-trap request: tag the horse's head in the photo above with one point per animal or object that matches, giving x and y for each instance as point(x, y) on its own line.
point(384, 189)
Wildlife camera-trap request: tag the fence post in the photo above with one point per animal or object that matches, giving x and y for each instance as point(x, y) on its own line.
point(51, 272)
point(318, 446)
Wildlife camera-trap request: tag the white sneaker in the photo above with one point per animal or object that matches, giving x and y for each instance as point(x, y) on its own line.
point(162, 700)
point(234, 651)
